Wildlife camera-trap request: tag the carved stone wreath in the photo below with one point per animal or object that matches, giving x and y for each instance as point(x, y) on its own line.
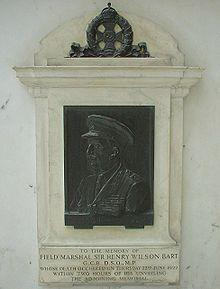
point(109, 35)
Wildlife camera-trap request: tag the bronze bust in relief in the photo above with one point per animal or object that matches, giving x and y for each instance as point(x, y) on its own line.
point(110, 189)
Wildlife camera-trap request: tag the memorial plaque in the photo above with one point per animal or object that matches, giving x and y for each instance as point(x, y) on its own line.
point(109, 165)
point(109, 151)
point(127, 265)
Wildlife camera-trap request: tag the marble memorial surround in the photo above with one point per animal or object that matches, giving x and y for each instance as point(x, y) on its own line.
point(109, 255)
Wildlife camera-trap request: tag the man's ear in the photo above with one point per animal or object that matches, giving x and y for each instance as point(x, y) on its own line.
point(115, 153)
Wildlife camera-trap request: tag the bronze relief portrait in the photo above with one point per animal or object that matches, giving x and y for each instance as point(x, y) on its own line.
point(108, 166)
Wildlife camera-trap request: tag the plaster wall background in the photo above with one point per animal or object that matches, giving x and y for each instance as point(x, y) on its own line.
point(195, 24)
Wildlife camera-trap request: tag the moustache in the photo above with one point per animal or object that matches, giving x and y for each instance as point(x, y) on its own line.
point(91, 158)
point(92, 161)
point(93, 164)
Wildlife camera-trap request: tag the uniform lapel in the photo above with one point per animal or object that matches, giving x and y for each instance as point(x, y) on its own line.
point(110, 186)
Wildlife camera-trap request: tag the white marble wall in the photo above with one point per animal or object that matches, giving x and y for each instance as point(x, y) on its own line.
point(195, 25)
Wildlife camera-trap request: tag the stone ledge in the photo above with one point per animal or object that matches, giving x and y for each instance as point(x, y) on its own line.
point(109, 76)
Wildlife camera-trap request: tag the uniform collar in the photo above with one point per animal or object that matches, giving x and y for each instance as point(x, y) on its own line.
point(107, 174)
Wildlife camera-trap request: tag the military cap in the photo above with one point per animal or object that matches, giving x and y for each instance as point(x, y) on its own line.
point(108, 128)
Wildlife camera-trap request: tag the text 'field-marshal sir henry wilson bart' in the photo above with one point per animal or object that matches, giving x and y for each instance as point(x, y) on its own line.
point(108, 166)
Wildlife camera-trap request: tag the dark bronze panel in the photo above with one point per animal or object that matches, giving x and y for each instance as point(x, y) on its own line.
point(109, 161)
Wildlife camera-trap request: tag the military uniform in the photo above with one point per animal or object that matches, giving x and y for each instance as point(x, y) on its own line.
point(118, 191)
point(123, 192)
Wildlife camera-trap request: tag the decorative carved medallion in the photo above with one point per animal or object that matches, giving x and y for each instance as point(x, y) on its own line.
point(109, 35)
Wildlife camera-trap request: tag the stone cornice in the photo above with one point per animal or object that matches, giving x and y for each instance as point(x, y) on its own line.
point(109, 76)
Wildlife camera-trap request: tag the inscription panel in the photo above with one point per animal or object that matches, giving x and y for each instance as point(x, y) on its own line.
point(129, 265)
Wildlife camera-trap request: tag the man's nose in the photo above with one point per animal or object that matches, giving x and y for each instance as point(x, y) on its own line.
point(90, 149)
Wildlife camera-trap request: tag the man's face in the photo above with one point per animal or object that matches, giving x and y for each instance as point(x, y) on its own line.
point(98, 155)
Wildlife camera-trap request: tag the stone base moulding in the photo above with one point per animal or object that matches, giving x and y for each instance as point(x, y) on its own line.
point(109, 254)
